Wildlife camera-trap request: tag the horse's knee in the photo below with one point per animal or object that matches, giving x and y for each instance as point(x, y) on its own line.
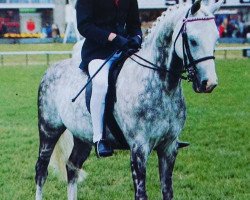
point(139, 155)
point(72, 172)
point(79, 154)
point(45, 151)
point(141, 197)
point(72, 175)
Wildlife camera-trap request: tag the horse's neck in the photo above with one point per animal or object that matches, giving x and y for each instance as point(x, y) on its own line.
point(157, 48)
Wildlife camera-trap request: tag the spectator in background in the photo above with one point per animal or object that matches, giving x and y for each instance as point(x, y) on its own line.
point(55, 31)
point(44, 32)
point(223, 28)
point(247, 32)
point(232, 26)
point(3, 29)
point(240, 27)
point(48, 30)
point(230, 29)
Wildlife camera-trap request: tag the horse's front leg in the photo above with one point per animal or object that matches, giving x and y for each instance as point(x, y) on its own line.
point(166, 158)
point(139, 156)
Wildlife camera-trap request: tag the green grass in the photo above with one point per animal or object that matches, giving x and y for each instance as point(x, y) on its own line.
point(216, 165)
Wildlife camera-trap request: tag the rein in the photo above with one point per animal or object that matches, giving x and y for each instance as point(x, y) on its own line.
point(154, 66)
point(189, 68)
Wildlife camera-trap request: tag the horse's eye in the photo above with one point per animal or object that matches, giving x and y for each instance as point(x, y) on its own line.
point(193, 43)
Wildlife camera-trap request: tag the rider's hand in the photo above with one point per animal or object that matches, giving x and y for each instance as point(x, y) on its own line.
point(120, 42)
point(135, 42)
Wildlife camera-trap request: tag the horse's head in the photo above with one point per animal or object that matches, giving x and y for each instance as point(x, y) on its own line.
point(194, 40)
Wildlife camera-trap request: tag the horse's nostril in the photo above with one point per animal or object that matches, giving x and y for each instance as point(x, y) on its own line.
point(204, 84)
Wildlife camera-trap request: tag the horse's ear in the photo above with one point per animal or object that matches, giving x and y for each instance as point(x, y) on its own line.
point(195, 7)
point(216, 6)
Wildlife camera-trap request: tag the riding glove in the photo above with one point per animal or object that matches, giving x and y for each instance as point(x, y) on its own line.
point(135, 42)
point(120, 42)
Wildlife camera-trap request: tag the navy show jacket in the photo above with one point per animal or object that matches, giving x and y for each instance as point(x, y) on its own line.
point(96, 19)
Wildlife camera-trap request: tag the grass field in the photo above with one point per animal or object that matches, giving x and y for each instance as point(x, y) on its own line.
point(216, 166)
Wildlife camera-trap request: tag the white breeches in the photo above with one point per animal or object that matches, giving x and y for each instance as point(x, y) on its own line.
point(98, 97)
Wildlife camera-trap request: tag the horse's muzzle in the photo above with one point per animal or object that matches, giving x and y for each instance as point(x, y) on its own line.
point(204, 86)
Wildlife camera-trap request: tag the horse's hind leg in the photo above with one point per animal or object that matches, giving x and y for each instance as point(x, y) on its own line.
point(139, 157)
point(48, 139)
point(166, 157)
point(80, 153)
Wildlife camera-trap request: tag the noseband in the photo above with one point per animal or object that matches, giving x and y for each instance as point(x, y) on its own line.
point(190, 67)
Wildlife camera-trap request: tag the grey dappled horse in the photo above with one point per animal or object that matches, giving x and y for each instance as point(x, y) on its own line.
point(150, 107)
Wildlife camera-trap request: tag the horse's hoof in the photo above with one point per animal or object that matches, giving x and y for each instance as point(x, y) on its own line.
point(181, 144)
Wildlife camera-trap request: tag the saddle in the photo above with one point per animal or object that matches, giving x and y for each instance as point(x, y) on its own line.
point(109, 118)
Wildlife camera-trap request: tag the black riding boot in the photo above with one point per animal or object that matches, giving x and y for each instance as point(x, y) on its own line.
point(103, 148)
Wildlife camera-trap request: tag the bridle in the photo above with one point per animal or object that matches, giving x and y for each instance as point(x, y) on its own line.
point(189, 63)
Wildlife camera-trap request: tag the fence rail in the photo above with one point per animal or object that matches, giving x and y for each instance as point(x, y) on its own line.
point(26, 1)
point(226, 49)
point(48, 54)
point(232, 48)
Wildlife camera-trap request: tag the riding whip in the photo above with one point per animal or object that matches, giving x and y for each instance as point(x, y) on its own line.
point(91, 78)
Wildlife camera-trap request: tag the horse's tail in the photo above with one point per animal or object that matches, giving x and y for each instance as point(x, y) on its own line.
point(61, 155)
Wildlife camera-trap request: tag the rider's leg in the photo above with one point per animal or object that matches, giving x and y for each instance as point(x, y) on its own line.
point(97, 104)
point(98, 96)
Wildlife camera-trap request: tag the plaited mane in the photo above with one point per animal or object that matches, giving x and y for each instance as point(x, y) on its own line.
point(159, 38)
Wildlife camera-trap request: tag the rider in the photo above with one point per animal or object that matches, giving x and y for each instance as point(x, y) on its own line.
point(107, 25)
